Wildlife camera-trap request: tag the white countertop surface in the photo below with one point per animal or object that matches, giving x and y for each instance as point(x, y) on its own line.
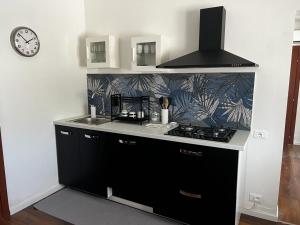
point(237, 142)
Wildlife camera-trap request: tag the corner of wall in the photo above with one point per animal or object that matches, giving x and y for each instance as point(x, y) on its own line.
point(33, 199)
point(297, 140)
point(261, 211)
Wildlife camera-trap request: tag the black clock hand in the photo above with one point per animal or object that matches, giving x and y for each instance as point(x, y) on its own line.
point(27, 42)
point(23, 38)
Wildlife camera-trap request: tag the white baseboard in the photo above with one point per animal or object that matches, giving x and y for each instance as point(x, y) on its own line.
point(296, 142)
point(262, 214)
point(296, 139)
point(35, 198)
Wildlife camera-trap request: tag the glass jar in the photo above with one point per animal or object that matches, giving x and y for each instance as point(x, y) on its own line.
point(155, 116)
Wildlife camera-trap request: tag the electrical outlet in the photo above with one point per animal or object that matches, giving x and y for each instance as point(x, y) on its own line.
point(260, 134)
point(255, 198)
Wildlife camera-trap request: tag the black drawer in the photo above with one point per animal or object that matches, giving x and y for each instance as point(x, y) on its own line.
point(196, 208)
point(183, 206)
point(204, 169)
point(196, 182)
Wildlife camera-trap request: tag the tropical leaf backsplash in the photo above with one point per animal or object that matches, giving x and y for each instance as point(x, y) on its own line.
point(200, 99)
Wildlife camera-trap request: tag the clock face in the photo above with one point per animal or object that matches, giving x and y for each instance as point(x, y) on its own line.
point(25, 41)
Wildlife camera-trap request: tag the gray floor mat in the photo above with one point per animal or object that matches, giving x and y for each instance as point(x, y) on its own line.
point(82, 209)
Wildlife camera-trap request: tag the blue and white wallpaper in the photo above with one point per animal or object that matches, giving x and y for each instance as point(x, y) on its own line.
point(200, 99)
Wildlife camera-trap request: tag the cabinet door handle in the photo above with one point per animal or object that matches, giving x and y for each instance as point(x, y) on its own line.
point(131, 143)
point(191, 153)
point(124, 142)
point(91, 136)
point(65, 132)
point(189, 194)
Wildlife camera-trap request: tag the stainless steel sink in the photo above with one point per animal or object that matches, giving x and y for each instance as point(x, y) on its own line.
point(92, 121)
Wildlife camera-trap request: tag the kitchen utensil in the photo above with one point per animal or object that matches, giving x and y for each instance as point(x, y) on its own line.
point(161, 101)
point(140, 114)
point(165, 102)
point(124, 113)
point(132, 114)
point(155, 125)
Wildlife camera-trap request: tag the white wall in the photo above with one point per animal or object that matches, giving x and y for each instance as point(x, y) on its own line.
point(297, 21)
point(35, 91)
point(297, 35)
point(261, 31)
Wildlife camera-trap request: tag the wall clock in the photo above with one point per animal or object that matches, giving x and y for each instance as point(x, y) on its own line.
point(25, 41)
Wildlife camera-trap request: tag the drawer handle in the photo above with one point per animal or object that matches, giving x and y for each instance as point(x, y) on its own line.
point(191, 153)
point(124, 142)
point(91, 136)
point(65, 132)
point(191, 195)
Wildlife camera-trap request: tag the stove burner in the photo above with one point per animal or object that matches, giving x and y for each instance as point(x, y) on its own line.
point(207, 133)
point(216, 134)
point(186, 128)
point(200, 132)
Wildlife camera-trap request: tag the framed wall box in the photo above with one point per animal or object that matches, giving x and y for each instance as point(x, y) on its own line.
point(102, 52)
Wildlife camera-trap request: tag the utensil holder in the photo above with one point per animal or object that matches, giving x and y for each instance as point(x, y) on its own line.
point(164, 116)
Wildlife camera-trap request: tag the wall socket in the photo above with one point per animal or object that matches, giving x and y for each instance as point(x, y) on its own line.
point(260, 134)
point(255, 198)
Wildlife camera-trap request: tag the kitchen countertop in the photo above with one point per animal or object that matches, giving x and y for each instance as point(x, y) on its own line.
point(237, 142)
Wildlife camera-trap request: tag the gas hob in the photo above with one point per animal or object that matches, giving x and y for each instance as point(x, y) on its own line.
point(220, 134)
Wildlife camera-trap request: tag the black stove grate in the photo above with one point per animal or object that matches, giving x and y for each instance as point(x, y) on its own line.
point(206, 133)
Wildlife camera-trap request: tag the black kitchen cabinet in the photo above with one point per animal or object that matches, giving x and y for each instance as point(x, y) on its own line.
point(68, 156)
point(92, 169)
point(80, 159)
point(189, 183)
point(131, 162)
point(196, 182)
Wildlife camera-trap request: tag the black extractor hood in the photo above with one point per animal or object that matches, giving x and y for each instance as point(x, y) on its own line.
point(211, 51)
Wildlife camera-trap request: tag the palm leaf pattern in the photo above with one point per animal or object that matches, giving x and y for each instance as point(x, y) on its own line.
point(95, 87)
point(199, 83)
point(172, 85)
point(182, 104)
point(237, 112)
point(143, 83)
point(205, 99)
point(206, 106)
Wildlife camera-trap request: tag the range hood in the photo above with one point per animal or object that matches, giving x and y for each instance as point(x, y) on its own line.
point(211, 51)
